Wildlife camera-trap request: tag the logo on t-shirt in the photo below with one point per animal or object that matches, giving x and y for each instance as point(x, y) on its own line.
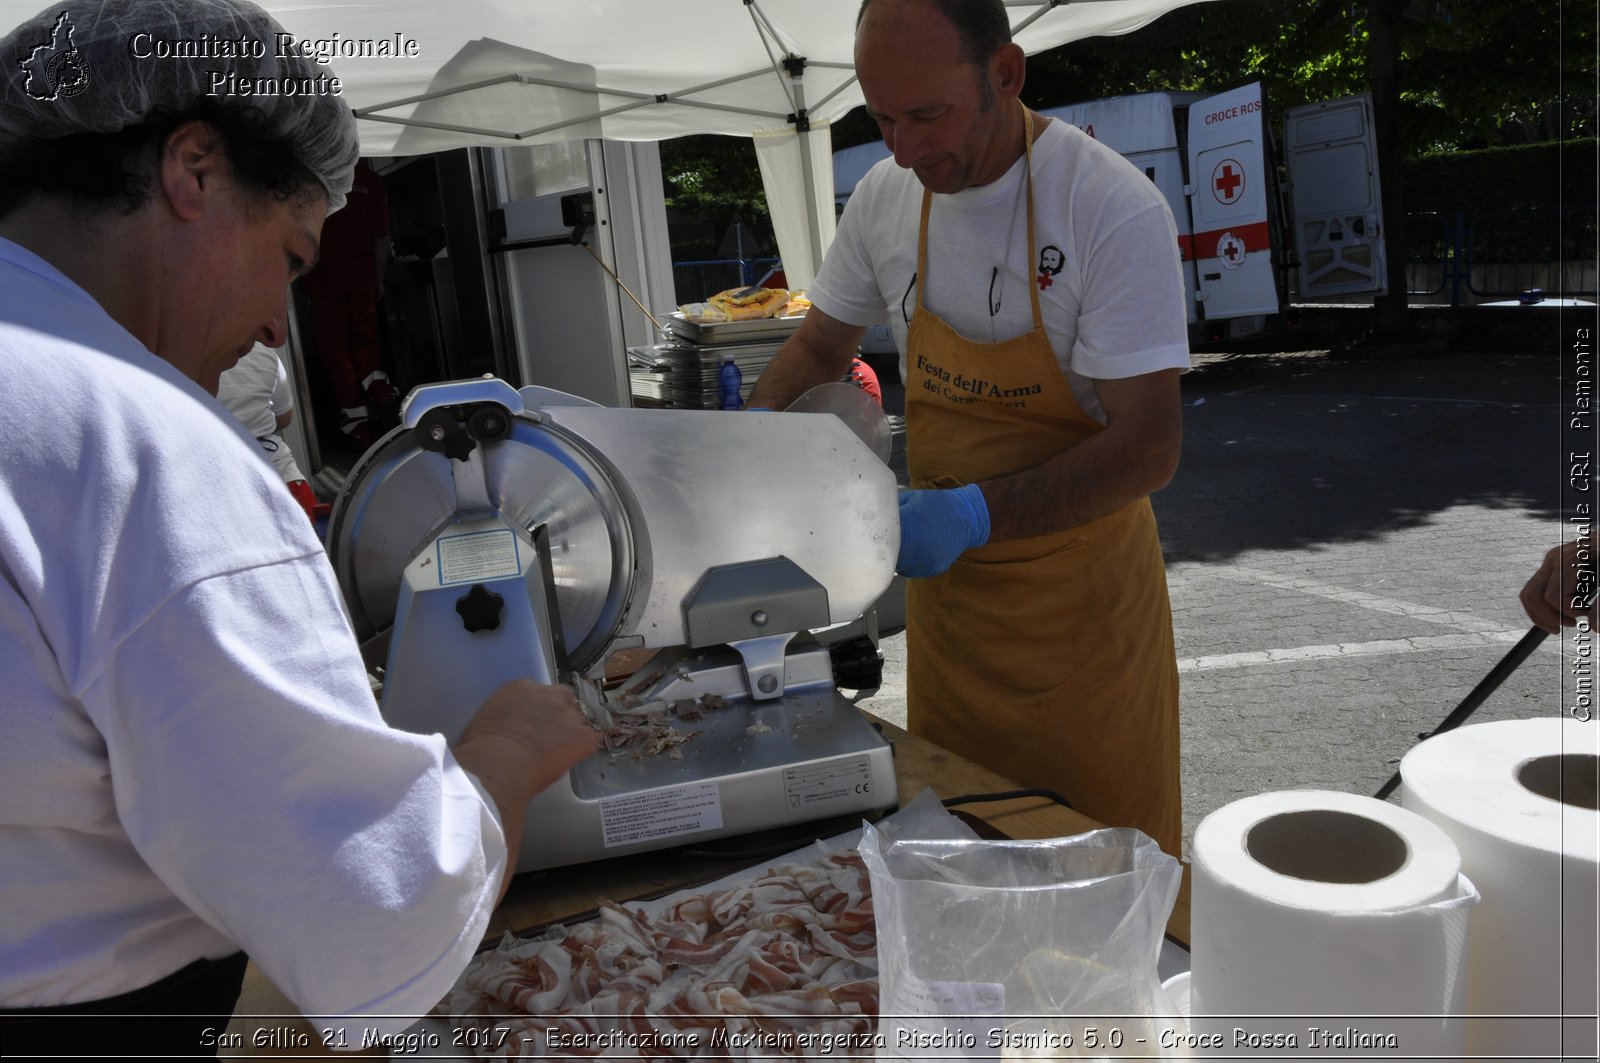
point(1050, 262)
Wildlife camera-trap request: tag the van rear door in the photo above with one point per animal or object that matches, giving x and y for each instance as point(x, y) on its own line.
point(1333, 191)
point(1141, 129)
point(1228, 193)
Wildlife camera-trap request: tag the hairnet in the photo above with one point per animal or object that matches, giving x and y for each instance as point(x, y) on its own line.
point(103, 66)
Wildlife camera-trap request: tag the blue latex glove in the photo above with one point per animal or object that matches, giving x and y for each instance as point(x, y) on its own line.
point(758, 409)
point(937, 526)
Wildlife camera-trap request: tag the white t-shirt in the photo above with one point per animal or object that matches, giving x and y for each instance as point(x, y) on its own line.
point(1104, 236)
point(256, 391)
point(191, 761)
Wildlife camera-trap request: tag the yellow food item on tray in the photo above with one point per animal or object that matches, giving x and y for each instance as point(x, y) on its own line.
point(797, 304)
point(750, 304)
point(702, 313)
point(746, 304)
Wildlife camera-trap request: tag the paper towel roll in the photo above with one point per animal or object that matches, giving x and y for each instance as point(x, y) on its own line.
point(1332, 909)
point(1518, 799)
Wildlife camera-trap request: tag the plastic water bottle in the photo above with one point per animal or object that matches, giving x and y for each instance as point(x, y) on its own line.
point(729, 382)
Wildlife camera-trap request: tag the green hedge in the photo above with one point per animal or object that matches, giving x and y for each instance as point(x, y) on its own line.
point(1530, 175)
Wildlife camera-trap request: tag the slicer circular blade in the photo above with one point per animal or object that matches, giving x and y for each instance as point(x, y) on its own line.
point(399, 497)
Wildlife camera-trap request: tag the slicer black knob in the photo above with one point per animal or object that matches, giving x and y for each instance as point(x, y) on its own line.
point(857, 664)
point(480, 608)
point(489, 423)
point(440, 432)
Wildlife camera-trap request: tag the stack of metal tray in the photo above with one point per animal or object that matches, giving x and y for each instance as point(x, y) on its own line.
point(719, 332)
point(683, 371)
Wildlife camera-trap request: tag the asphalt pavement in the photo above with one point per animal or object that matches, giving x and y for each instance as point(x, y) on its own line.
point(1345, 542)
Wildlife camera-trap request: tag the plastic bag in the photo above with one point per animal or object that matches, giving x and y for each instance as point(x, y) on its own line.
point(703, 313)
point(1023, 949)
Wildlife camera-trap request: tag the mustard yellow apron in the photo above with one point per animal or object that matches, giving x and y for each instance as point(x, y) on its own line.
point(1047, 659)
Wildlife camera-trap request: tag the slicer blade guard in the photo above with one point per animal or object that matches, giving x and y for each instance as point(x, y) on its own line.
point(500, 534)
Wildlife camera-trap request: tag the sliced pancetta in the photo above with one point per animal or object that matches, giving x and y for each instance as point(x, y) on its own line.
point(723, 973)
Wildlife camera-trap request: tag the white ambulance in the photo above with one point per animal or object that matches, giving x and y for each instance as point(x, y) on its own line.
point(1252, 244)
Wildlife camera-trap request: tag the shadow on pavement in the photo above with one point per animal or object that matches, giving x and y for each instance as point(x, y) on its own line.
point(1290, 451)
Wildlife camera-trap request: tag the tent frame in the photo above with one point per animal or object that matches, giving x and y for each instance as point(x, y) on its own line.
point(788, 67)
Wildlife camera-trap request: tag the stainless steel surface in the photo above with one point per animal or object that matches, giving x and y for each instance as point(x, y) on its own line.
point(860, 412)
point(459, 392)
point(478, 596)
point(399, 498)
point(688, 375)
point(763, 328)
point(715, 488)
point(712, 488)
point(647, 512)
point(747, 767)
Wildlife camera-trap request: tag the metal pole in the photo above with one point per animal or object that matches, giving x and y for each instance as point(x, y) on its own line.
point(1486, 686)
point(1458, 256)
point(802, 127)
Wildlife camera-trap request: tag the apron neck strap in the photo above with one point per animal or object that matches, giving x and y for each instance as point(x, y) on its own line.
point(1033, 254)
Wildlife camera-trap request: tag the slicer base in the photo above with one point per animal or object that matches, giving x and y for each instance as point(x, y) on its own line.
point(748, 767)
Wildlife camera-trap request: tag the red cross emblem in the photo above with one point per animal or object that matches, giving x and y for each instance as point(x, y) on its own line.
point(1045, 280)
point(1227, 181)
point(1231, 250)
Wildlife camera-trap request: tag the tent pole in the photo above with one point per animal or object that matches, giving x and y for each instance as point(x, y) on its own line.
point(795, 67)
point(802, 124)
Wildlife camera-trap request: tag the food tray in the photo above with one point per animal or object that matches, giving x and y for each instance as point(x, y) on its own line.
point(924, 820)
point(923, 817)
point(686, 375)
point(649, 385)
point(765, 328)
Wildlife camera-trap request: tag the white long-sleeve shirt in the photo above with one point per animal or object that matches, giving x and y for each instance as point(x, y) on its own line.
point(191, 761)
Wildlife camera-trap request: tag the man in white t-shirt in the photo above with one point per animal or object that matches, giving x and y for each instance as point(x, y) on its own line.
point(1031, 280)
point(192, 766)
point(256, 391)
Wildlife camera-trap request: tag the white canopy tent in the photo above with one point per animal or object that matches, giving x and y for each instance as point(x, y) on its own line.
point(426, 76)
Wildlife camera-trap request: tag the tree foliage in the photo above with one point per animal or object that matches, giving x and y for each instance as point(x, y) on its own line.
point(710, 180)
point(1472, 74)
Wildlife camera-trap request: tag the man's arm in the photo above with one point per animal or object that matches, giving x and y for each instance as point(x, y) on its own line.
point(1135, 455)
point(819, 351)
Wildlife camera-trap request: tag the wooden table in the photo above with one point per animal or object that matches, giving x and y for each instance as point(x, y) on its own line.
point(541, 897)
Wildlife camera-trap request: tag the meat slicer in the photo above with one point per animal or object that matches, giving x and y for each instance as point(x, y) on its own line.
point(502, 533)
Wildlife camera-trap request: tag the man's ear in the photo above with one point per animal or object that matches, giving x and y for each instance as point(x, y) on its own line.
point(191, 166)
point(1007, 67)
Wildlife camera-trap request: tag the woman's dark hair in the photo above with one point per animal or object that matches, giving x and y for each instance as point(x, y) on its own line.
point(115, 171)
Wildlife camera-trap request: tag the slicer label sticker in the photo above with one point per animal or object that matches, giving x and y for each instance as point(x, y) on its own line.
point(808, 785)
point(660, 813)
point(478, 556)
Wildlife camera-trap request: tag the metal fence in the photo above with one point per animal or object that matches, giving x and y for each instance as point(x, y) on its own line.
point(1502, 253)
point(695, 280)
point(1469, 257)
